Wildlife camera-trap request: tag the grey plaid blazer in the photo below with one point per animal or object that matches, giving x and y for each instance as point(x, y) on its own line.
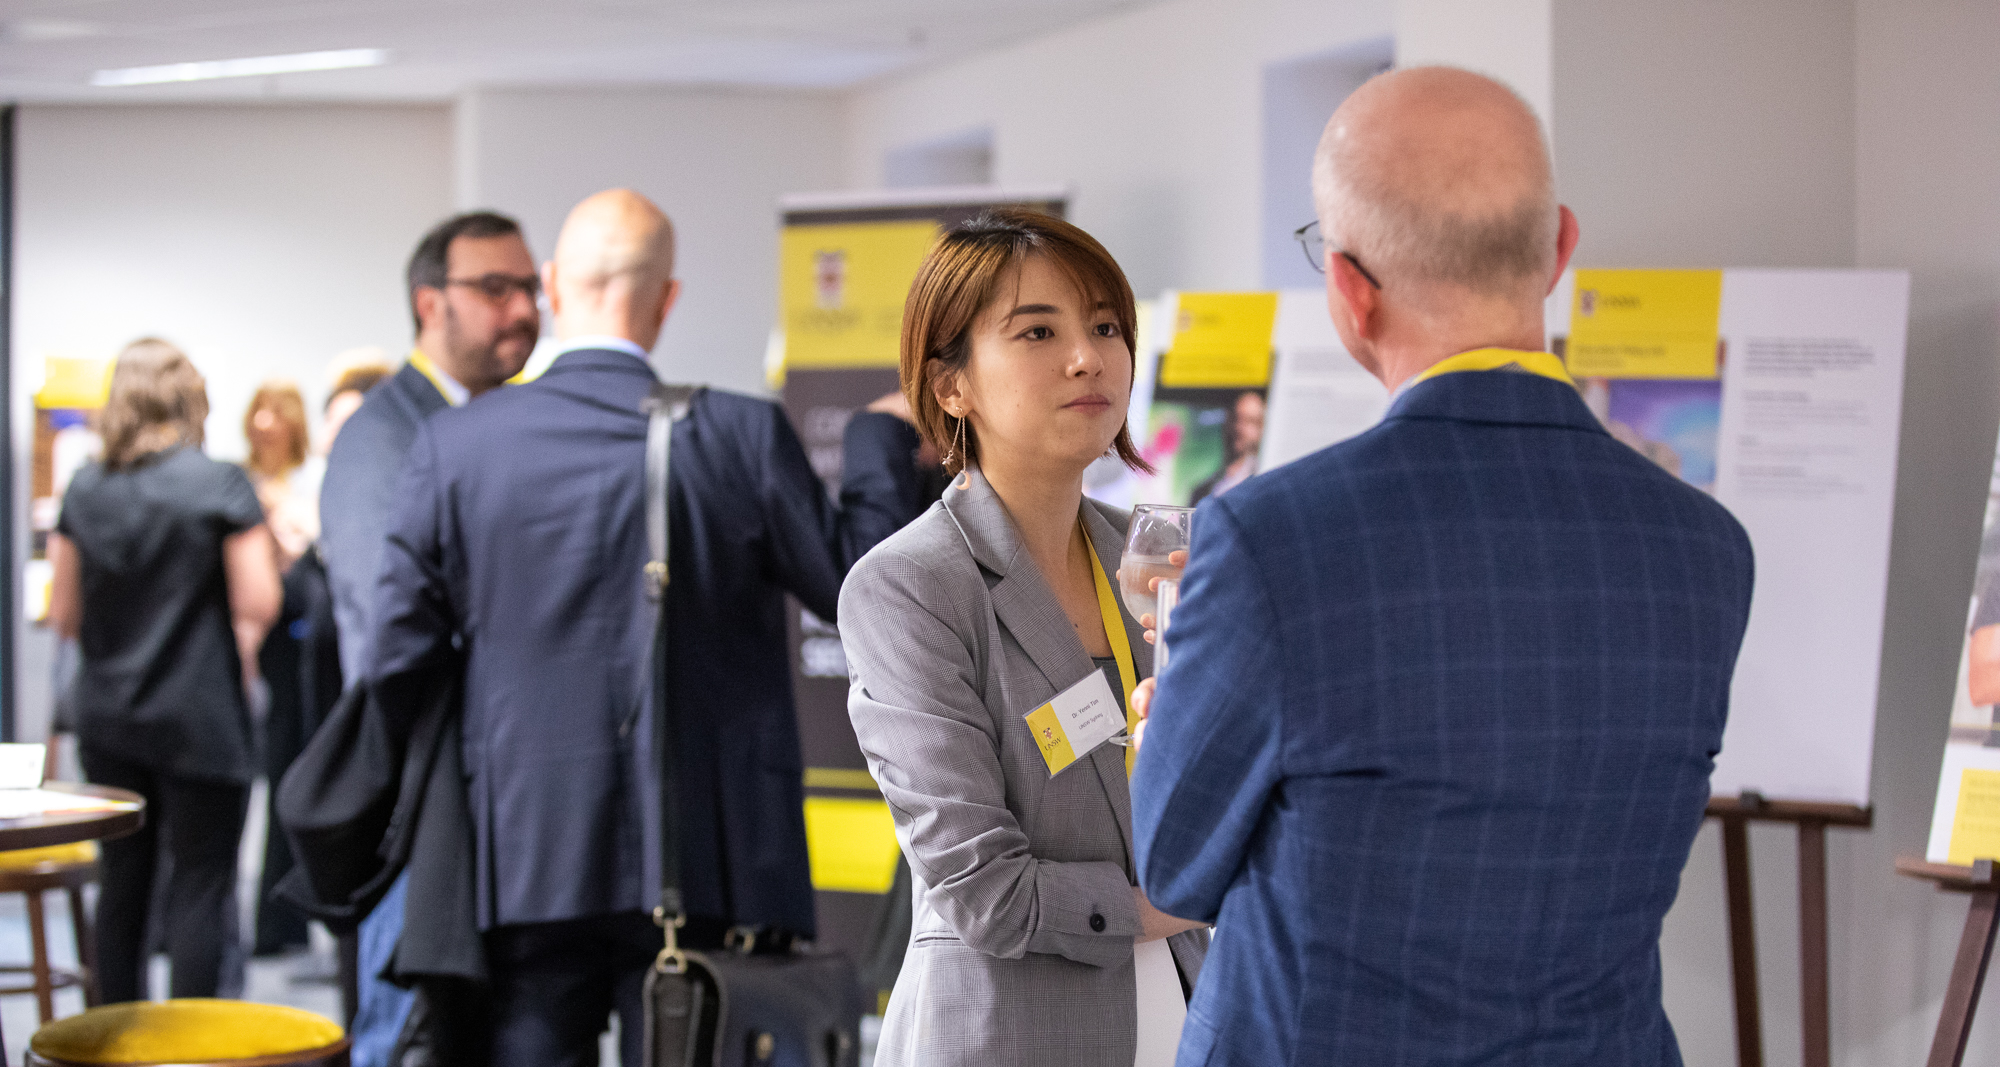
point(1021, 950)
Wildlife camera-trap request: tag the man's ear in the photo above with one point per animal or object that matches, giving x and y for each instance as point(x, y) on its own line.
point(668, 299)
point(1347, 288)
point(429, 301)
point(1567, 234)
point(549, 287)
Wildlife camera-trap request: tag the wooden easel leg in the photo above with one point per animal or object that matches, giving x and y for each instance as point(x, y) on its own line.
point(1742, 942)
point(1815, 996)
point(1968, 973)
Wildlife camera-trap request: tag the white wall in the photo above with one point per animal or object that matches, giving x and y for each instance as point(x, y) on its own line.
point(1153, 117)
point(1707, 134)
point(261, 239)
point(715, 161)
point(1927, 198)
point(1822, 133)
point(1505, 39)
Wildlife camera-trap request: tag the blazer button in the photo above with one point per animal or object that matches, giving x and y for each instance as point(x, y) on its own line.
point(1097, 924)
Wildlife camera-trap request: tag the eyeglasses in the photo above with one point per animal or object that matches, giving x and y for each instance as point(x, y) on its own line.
point(498, 287)
point(1310, 239)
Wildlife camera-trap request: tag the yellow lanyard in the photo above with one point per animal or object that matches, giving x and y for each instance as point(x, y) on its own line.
point(1121, 642)
point(429, 370)
point(1540, 364)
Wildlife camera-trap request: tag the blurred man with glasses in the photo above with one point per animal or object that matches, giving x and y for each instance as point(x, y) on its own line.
point(473, 289)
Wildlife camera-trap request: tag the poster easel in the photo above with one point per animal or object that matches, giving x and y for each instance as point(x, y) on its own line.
point(1736, 814)
point(1975, 949)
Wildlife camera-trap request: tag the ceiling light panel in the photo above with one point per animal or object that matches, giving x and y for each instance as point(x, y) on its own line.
point(253, 66)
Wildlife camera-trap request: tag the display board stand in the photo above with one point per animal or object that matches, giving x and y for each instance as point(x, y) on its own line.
point(1975, 949)
point(1812, 819)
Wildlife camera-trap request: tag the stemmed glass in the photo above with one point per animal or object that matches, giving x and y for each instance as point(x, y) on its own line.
point(1158, 532)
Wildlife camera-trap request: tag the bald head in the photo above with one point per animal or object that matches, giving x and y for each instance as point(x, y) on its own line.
point(613, 270)
point(1439, 181)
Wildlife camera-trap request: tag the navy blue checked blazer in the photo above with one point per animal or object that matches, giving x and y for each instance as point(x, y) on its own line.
point(1435, 739)
point(518, 547)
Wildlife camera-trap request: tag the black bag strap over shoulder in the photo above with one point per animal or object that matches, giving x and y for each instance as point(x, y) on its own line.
point(664, 407)
point(764, 1001)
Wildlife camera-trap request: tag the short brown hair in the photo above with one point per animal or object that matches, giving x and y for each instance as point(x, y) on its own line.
point(359, 379)
point(158, 401)
point(961, 275)
point(282, 399)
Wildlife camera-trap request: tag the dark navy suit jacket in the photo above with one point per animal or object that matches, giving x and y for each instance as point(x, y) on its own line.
point(519, 546)
point(355, 500)
point(1435, 737)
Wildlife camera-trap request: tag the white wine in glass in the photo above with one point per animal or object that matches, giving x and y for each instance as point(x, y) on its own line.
point(1158, 531)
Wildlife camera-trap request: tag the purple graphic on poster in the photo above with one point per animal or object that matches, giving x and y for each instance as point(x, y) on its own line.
point(1674, 422)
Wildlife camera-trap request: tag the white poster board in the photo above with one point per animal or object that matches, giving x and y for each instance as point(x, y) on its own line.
point(1812, 397)
point(1319, 395)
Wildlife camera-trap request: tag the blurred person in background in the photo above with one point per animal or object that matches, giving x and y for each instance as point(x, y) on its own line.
point(300, 685)
point(282, 466)
point(517, 560)
point(472, 289)
point(313, 637)
point(167, 575)
point(354, 373)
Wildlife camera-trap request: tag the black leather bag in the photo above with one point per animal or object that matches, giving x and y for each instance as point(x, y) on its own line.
point(786, 1006)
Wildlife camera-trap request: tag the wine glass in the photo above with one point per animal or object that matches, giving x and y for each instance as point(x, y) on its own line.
point(1169, 595)
point(1158, 531)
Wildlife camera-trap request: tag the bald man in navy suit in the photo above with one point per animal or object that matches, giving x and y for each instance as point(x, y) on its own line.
point(517, 556)
point(1436, 731)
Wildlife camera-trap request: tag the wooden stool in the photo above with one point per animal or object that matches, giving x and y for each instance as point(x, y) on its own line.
point(190, 1033)
point(32, 872)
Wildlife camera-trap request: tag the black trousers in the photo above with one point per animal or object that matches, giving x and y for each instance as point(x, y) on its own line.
point(202, 823)
point(555, 986)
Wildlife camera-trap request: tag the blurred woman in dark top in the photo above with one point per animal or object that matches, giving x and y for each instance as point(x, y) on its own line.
point(167, 575)
point(300, 659)
point(286, 476)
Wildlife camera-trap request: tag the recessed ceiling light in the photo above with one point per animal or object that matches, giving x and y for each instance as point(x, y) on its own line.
point(294, 63)
point(37, 31)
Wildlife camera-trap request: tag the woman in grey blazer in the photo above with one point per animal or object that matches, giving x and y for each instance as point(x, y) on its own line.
point(1031, 945)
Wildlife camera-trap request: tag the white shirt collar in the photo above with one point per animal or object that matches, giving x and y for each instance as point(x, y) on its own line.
point(455, 394)
point(605, 341)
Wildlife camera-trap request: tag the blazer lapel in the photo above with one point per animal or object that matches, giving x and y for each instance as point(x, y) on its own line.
point(1021, 599)
point(1028, 609)
point(1106, 527)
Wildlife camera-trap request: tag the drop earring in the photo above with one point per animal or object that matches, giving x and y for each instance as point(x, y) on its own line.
point(957, 451)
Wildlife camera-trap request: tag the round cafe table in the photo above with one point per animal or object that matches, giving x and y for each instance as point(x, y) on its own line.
point(41, 820)
point(63, 813)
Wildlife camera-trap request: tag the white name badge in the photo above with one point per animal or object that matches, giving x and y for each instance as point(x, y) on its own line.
point(1078, 720)
point(21, 766)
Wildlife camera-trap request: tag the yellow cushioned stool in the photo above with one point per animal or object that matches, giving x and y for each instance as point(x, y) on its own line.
point(32, 872)
point(190, 1033)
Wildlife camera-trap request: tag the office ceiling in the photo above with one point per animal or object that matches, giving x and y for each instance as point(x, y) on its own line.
point(50, 48)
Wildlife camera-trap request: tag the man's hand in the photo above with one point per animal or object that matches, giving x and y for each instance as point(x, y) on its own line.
point(1155, 924)
point(1177, 558)
point(1142, 703)
point(894, 404)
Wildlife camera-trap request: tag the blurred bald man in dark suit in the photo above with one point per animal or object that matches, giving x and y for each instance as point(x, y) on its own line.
point(517, 555)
